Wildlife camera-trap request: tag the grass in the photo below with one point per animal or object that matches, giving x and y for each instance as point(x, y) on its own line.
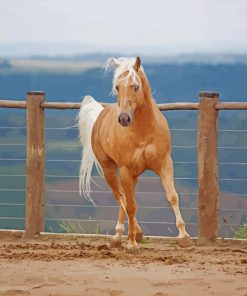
point(97, 229)
point(145, 240)
point(71, 227)
point(242, 232)
point(76, 227)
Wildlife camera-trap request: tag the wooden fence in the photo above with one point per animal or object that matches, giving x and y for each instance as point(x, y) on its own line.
point(208, 187)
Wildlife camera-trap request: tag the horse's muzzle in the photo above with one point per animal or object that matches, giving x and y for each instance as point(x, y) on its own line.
point(124, 119)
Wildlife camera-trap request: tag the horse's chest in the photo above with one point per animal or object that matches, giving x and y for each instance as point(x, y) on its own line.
point(137, 156)
point(131, 154)
point(136, 160)
point(140, 158)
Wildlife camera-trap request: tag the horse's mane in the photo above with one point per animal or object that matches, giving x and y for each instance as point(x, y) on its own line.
point(120, 66)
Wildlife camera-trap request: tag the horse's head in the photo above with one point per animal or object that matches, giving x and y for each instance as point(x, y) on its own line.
point(127, 86)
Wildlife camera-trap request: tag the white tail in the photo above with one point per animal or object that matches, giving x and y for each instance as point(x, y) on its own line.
point(88, 114)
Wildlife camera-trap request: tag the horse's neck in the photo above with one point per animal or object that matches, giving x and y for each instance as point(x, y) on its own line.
point(146, 88)
point(145, 114)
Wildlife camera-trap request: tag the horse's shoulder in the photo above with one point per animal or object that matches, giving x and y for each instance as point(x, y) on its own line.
point(108, 109)
point(111, 108)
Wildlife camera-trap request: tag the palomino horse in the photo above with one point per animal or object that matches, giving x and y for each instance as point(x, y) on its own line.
point(124, 140)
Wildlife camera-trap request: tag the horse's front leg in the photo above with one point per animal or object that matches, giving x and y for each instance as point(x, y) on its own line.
point(120, 227)
point(120, 224)
point(110, 173)
point(139, 234)
point(127, 182)
point(167, 179)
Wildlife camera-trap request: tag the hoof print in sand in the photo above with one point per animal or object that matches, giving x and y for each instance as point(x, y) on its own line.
point(134, 251)
point(116, 244)
point(185, 242)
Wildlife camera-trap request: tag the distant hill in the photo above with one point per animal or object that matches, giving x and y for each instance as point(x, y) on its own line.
point(4, 63)
point(83, 52)
point(169, 81)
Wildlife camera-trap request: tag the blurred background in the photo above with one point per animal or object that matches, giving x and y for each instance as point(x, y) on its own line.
point(59, 47)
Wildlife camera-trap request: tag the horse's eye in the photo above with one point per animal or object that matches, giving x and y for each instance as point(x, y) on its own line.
point(136, 87)
point(117, 87)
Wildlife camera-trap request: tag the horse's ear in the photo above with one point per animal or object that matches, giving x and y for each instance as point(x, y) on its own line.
point(137, 64)
point(115, 62)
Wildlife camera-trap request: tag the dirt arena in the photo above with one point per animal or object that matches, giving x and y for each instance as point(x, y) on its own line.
point(89, 266)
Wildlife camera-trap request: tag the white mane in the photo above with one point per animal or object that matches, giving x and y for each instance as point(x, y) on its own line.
point(120, 66)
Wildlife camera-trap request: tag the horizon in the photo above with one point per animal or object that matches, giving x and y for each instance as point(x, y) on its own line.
point(161, 57)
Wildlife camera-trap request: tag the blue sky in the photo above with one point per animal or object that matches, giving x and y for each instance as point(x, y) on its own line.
point(146, 27)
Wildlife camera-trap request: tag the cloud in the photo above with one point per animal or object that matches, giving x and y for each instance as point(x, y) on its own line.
point(172, 26)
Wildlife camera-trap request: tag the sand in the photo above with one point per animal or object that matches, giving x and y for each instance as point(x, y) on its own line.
point(91, 267)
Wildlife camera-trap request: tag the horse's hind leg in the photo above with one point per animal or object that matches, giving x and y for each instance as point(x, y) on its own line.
point(167, 179)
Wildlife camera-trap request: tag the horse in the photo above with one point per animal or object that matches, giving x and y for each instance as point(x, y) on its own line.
point(125, 139)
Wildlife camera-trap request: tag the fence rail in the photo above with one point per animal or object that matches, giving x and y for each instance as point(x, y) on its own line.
point(207, 139)
point(162, 107)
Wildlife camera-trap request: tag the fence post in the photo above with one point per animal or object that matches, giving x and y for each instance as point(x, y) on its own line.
point(208, 191)
point(35, 164)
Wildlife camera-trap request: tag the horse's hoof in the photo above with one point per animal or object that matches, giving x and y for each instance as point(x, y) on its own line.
point(185, 242)
point(139, 237)
point(133, 250)
point(115, 243)
point(132, 247)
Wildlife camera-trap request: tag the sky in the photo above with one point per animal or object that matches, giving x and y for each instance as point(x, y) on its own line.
point(142, 26)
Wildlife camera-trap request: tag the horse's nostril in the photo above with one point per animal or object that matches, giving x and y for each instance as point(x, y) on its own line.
point(124, 119)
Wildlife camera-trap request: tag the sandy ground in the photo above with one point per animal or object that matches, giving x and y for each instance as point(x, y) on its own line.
point(91, 267)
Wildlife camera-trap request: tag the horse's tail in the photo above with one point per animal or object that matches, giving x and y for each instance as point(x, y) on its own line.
point(88, 114)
